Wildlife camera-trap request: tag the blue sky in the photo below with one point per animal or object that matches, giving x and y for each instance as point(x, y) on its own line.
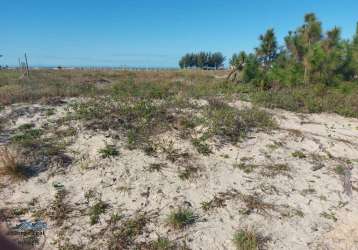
point(151, 33)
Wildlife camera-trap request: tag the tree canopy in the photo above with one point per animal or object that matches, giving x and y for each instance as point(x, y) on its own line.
point(202, 60)
point(309, 55)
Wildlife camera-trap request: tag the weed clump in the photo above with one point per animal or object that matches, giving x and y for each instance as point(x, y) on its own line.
point(123, 236)
point(247, 168)
point(339, 170)
point(137, 119)
point(156, 167)
point(275, 170)
point(299, 154)
point(59, 208)
point(109, 151)
point(201, 146)
point(188, 172)
point(233, 124)
point(181, 218)
point(247, 240)
point(10, 165)
point(96, 210)
point(163, 243)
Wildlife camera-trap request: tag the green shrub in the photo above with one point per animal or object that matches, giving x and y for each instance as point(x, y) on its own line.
point(245, 240)
point(181, 218)
point(96, 210)
point(109, 151)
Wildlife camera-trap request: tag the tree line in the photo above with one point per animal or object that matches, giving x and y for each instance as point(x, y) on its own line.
point(309, 55)
point(202, 60)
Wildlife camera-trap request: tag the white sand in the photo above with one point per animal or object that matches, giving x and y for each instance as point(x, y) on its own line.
point(314, 193)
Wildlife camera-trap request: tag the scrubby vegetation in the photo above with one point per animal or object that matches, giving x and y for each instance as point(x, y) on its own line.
point(181, 218)
point(247, 240)
point(169, 150)
point(202, 60)
point(312, 72)
point(10, 165)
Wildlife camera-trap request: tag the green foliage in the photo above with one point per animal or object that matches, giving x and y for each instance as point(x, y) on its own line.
point(201, 146)
point(299, 154)
point(246, 240)
point(162, 244)
point(181, 218)
point(96, 210)
point(28, 137)
point(109, 151)
point(128, 230)
point(339, 170)
point(233, 124)
point(247, 168)
point(202, 60)
point(309, 56)
point(341, 99)
point(267, 51)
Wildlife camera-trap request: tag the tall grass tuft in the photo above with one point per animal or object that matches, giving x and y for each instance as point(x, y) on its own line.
point(10, 166)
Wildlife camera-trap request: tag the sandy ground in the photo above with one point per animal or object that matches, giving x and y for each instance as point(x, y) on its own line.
point(310, 209)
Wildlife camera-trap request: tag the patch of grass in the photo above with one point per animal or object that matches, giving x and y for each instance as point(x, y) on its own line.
point(233, 124)
point(201, 146)
point(181, 218)
point(275, 145)
point(173, 154)
point(329, 216)
point(307, 191)
point(137, 119)
point(299, 154)
point(66, 132)
point(26, 126)
point(59, 208)
point(255, 203)
point(162, 244)
point(125, 189)
point(96, 210)
point(310, 99)
point(28, 137)
point(124, 235)
point(50, 112)
point(156, 167)
point(252, 202)
point(339, 170)
point(188, 172)
point(109, 151)
point(247, 240)
point(247, 168)
point(11, 166)
point(275, 170)
point(216, 202)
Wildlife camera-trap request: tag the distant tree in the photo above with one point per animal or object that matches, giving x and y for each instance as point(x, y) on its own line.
point(187, 61)
point(216, 60)
point(202, 60)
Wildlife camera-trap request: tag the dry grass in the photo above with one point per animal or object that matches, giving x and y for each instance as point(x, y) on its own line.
point(246, 239)
point(253, 203)
point(10, 165)
point(50, 85)
point(47, 85)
